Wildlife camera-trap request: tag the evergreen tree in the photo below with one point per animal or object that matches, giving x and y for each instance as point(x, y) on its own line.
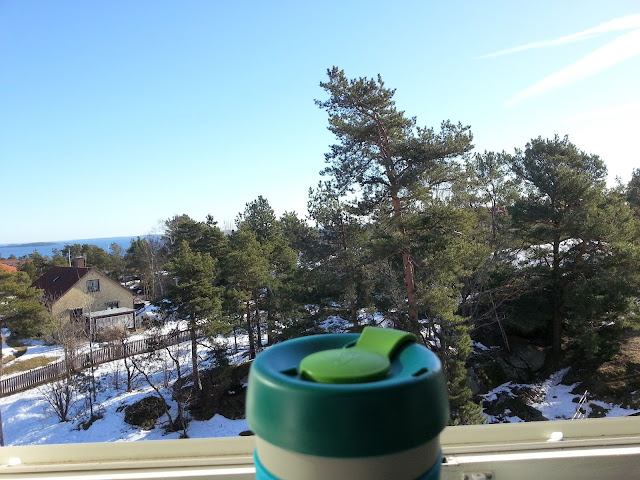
point(300, 287)
point(35, 265)
point(343, 270)
point(601, 278)
point(445, 252)
point(278, 300)
point(490, 190)
point(96, 257)
point(495, 189)
point(21, 308)
point(633, 192)
point(402, 177)
point(259, 217)
point(386, 157)
point(194, 297)
point(578, 236)
point(301, 237)
point(202, 237)
point(116, 263)
point(246, 274)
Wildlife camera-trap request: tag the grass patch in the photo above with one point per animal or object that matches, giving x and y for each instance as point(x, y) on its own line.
point(17, 352)
point(29, 364)
point(7, 359)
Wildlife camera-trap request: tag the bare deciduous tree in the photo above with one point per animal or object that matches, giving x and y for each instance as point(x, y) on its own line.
point(144, 363)
point(59, 395)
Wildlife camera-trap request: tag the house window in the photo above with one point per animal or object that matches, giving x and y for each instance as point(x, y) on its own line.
point(93, 285)
point(111, 305)
point(76, 313)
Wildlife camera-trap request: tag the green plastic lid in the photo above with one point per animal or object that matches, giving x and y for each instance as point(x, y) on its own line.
point(348, 395)
point(368, 360)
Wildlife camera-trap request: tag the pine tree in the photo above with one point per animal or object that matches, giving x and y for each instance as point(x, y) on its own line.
point(343, 271)
point(202, 237)
point(116, 265)
point(246, 274)
point(401, 176)
point(633, 192)
point(386, 157)
point(278, 299)
point(21, 309)
point(495, 189)
point(96, 257)
point(194, 297)
point(580, 235)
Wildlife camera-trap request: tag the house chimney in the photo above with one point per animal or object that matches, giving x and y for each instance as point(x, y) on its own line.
point(79, 262)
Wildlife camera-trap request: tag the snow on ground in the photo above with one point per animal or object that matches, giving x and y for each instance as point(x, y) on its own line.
point(551, 398)
point(35, 349)
point(505, 388)
point(335, 325)
point(556, 400)
point(29, 420)
point(479, 346)
point(163, 328)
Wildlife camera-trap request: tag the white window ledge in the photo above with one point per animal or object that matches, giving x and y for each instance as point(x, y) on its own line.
point(580, 449)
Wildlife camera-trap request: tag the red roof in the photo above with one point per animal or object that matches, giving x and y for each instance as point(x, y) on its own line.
point(8, 268)
point(13, 262)
point(57, 280)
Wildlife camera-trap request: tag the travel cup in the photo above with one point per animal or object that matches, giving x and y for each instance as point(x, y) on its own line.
point(348, 406)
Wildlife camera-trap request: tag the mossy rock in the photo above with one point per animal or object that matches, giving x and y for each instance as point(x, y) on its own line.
point(492, 375)
point(597, 411)
point(516, 404)
point(223, 392)
point(144, 413)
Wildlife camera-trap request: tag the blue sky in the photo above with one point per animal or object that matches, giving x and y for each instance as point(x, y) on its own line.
point(116, 115)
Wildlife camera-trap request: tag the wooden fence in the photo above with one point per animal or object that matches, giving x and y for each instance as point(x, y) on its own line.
point(107, 353)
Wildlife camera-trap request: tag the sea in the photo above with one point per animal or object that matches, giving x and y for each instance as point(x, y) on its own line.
point(46, 248)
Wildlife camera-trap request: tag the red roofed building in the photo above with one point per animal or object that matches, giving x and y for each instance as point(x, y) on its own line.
point(12, 262)
point(82, 293)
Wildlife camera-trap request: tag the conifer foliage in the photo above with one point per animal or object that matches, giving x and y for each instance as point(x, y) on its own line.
point(408, 230)
point(394, 170)
point(386, 158)
point(21, 308)
point(193, 296)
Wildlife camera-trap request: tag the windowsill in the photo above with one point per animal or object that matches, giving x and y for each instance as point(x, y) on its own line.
point(590, 449)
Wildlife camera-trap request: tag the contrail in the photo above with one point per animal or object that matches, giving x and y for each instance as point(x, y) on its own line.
point(622, 48)
point(615, 25)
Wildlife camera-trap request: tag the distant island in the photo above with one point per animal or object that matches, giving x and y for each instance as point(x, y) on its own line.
point(33, 244)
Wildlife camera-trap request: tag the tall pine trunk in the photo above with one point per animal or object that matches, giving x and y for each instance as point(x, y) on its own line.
point(256, 316)
point(407, 266)
point(252, 344)
point(556, 300)
point(194, 359)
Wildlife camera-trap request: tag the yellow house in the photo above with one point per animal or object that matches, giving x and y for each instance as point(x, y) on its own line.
point(83, 293)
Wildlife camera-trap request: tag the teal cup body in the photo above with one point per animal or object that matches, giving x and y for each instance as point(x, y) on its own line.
point(353, 406)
